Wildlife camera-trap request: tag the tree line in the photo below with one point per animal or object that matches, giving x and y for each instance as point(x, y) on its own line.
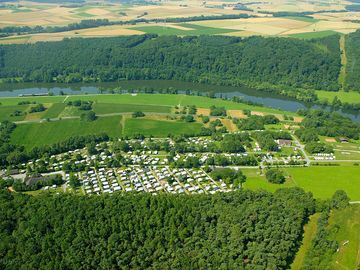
point(215, 60)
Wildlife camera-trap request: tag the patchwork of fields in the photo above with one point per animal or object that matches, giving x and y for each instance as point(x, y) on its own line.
point(321, 24)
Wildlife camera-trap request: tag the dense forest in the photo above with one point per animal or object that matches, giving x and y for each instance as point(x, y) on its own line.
point(353, 62)
point(206, 59)
point(238, 230)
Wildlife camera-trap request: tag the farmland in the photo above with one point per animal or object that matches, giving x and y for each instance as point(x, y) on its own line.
point(108, 108)
point(148, 102)
point(38, 134)
point(159, 128)
point(323, 22)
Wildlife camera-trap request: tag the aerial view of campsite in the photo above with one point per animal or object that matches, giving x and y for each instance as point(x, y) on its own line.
point(149, 134)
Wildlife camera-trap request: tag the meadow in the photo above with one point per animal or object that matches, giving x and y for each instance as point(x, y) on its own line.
point(54, 110)
point(349, 97)
point(108, 108)
point(159, 128)
point(6, 111)
point(37, 134)
point(322, 181)
point(345, 225)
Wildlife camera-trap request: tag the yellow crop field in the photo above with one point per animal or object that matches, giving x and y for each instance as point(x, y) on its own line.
point(24, 13)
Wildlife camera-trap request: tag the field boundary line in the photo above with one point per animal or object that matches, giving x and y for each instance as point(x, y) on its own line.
point(66, 98)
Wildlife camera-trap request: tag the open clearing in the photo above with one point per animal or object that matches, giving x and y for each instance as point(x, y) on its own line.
point(46, 133)
point(349, 97)
point(348, 223)
point(149, 127)
point(322, 181)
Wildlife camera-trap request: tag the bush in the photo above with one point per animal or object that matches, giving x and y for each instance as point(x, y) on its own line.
point(138, 114)
point(37, 108)
point(88, 116)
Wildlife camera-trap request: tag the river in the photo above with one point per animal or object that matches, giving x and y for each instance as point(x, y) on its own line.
point(247, 94)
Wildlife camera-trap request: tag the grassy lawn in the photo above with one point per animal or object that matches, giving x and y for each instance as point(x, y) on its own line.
point(346, 155)
point(256, 181)
point(6, 111)
point(310, 35)
point(106, 108)
point(309, 233)
point(54, 110)
point(39, 134)
point(159, 128)
point(349, 97)
point(348, 223)
point(322, 181)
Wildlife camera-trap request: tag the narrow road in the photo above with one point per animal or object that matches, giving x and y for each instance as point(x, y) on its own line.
point(302, 149)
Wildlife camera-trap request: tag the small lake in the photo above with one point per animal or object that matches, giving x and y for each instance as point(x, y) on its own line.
point(247, 94)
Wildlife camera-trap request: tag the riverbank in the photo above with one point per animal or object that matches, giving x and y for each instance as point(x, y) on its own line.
point(246, 94)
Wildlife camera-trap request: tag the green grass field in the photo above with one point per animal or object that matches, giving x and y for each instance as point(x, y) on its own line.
point(196, 30)
point(310, 35)
point(8, 101)
point(54, 110)
point(322, 181)
point(6, 111)
point(303, 19)
point(106, 108)
point(348, 223)
point(46, 133)
point(159, 128)
point(349, 97)
point(149, 99)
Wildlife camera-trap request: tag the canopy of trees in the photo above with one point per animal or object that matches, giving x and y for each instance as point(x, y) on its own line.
point(353, 65)
point(205, 59)
point(238, 230)
point(325, 123)
point(275, 176)
point(229, 176)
